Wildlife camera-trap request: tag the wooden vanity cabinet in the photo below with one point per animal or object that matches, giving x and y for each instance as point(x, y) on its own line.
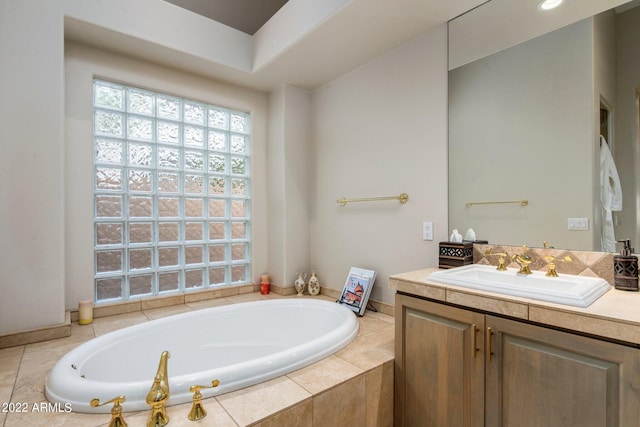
point(439, 374)
point(457, 367)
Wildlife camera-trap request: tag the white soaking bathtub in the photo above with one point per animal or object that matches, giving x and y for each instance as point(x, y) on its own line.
point(238, 344)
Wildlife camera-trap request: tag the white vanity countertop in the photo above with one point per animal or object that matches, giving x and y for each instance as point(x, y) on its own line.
point(615, 315)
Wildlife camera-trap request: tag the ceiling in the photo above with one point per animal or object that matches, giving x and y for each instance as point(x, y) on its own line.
point(341, 39)
point(244, 15)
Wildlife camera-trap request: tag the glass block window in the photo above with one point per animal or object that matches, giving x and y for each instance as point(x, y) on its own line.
point(171, 193)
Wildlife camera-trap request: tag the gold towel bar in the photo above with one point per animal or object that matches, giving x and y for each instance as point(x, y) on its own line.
point(402, 198)
point(520, 202)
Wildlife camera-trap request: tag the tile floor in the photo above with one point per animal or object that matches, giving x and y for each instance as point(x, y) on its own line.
point(336, 384)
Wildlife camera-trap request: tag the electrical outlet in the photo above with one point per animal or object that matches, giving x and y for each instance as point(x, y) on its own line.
point(427, 230)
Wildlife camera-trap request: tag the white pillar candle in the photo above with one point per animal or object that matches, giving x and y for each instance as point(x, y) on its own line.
point(85, 312)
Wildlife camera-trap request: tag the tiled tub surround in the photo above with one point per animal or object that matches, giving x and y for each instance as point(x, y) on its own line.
point(139, 304)
point(583, 263)
point(353, 387)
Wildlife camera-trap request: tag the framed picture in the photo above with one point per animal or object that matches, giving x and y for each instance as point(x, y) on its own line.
point(357, 288)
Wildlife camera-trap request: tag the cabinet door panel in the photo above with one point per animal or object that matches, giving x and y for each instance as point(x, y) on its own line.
point(441, 378)
point(542, 377)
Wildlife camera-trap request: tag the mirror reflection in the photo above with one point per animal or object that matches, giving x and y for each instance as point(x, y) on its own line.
point(525, 124)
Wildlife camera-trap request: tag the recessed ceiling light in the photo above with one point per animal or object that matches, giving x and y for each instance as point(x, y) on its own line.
point(549, 4)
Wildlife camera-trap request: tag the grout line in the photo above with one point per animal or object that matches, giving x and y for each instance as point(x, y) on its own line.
point(15, 381)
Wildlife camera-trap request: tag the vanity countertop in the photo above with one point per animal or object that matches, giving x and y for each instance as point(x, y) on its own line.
point(615, 315)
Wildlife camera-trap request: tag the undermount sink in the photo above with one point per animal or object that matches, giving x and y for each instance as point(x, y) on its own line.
point(577, 291)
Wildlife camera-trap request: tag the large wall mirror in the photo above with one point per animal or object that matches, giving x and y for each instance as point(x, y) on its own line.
point(530, 93)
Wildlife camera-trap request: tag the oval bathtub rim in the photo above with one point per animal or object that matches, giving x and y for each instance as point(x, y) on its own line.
point(62, 373)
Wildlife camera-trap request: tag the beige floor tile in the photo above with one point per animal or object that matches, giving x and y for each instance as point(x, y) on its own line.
point(55, 419)
point(29, 387)
point(11, 352)
point(261, 400)
point(5, 395)
point(324, 374)
point(9, 364)
point(45, 358)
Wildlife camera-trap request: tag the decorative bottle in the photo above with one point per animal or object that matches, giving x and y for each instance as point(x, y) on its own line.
point(299, 283)
point(314, 284)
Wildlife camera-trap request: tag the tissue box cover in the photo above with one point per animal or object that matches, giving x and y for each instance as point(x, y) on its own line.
point(455, 254)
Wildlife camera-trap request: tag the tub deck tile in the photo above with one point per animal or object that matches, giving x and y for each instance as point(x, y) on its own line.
point(367, 353)
point(160, 312)
point(103, 325)
point(325, 374)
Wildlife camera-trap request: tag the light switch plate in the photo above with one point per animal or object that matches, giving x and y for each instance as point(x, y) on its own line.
point(581, 224)
point(427, 230)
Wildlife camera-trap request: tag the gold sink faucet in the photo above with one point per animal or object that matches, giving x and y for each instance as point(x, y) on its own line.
point(523, 261)
point(159, 394)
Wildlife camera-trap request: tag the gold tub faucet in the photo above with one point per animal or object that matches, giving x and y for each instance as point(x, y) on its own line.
point(523, 261)
point(159, 394)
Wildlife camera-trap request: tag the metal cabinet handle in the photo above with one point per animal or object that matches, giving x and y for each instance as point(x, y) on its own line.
point(489, 352)
point(474, 345)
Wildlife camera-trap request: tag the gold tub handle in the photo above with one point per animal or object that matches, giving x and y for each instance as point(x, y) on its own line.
point(197, 410)
point(116, 411)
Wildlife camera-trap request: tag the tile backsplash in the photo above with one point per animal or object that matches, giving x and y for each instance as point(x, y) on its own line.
point(583, 263)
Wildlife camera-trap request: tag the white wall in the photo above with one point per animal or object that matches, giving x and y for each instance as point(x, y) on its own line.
point(289, 183)
point(381, 130)
point(31, 166)
point(82, 63)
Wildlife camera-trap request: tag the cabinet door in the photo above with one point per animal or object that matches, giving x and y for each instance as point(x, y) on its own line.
point(439, 367)
point(542, 377)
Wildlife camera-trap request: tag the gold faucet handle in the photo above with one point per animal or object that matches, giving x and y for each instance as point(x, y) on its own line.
point(501, 260)
point(116, 410)
point(197, 410)
point(195, 389)
point(551, 271)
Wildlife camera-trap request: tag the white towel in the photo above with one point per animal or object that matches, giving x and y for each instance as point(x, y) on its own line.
point(610, 195)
